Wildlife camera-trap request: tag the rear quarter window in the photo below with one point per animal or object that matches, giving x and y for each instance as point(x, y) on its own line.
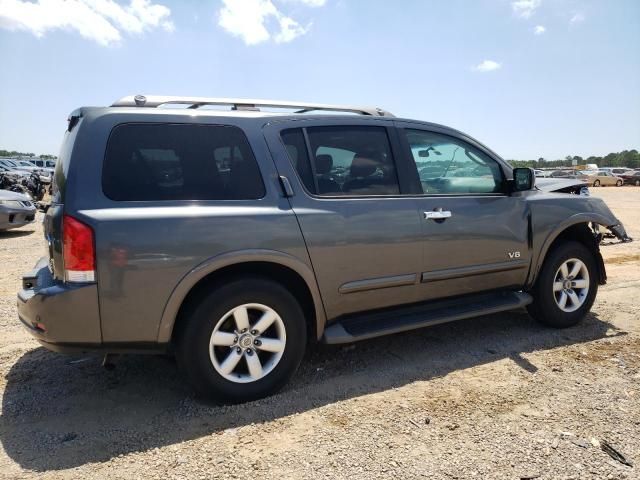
point(62, 165)
point(150, 162)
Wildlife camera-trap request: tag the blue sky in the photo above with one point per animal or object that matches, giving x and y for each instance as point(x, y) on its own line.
point(529, 78)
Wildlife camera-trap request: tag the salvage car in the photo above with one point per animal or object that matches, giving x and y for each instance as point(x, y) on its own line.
point(605, 179)
point(16, 210)
point(233, 238)
point(632, 178)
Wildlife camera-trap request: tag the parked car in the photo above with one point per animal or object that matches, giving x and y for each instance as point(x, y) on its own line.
point(25, 165)
point(38, 162)
point(560, 173)
point(18, 173)
point(234, 238)
point(604, 179)
point(632, 178)
point(10, 164)
point(19, 166)
point(16, 210)
point(621, 171)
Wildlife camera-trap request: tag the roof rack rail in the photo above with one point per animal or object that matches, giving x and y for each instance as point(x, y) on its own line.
point(153, 101)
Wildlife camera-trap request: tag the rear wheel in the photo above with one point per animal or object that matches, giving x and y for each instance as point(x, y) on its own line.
point(596, 183)
point(619, 183)
point(637, 183)
point(566, 286)
point(243, 341)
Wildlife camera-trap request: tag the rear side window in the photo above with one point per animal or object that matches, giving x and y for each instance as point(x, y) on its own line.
point(343, 160)
point(180, 162)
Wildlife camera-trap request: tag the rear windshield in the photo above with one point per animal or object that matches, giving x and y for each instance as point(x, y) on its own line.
point(180, 162)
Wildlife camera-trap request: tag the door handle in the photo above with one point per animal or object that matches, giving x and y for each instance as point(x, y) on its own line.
point(437, 214)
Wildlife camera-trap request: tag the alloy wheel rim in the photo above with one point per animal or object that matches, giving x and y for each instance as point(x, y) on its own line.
point(571, 285)
point(247, 343)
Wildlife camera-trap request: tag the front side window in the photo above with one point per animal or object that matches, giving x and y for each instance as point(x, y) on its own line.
point(180, 162)
point(343, 160)
point(447, 165)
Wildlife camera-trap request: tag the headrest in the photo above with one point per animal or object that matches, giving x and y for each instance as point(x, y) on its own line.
point(324, 163)
point(363, 166)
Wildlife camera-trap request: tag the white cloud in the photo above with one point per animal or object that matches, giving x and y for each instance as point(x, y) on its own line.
point(309, 3)
point(252, 20)
point(289, 30)
point(577, 18)
point(487, 66)
point(102, 21)
point(539, 29)
point(525, 8)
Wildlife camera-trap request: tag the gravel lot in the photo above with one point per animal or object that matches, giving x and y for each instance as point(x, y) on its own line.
point(493, 397)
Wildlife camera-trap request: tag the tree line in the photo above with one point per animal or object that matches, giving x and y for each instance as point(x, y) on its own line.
point(13, 153)
point(625, 158)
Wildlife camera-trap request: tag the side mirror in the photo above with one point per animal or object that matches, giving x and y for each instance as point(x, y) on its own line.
point(523, 179)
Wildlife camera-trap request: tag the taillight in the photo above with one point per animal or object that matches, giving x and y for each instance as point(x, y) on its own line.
point(78, 251)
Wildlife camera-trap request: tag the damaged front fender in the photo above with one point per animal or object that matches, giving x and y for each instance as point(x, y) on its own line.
point(555, 216)
point(620, 233)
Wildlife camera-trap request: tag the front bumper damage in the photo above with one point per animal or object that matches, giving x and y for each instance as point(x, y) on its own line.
point(614, 231)
point(620, 233)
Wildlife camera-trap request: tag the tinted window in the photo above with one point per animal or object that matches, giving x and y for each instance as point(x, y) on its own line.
point(180, 162)
point(344, 160)
point(447, 165)
point(294, 142)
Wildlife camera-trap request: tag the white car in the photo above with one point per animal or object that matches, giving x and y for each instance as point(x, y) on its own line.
point(16, 210)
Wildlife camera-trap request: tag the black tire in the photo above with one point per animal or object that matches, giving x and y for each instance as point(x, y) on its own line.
point(192, 349)
point(619, 183)
point(544, 308)
point(596, 183)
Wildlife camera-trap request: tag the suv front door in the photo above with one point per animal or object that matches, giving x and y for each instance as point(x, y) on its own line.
point(362, 231)
point(475, 236)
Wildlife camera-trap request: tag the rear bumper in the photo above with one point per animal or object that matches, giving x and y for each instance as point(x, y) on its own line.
point(62, 317)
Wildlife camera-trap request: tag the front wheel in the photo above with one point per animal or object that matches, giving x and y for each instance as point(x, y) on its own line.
point(243, 341)
point(637, 183)
point(596, 183)
point(619, 183)
point(566, 286)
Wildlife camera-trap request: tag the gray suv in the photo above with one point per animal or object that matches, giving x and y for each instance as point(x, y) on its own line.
point(235, 237)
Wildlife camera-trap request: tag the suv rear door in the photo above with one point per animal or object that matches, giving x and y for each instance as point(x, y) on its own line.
point(362, 231)
point(475, 236)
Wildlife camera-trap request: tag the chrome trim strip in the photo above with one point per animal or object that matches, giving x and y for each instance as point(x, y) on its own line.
point(451, 273)
point(376, 283)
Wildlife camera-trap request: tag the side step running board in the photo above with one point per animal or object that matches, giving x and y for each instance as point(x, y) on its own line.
point(357, 327)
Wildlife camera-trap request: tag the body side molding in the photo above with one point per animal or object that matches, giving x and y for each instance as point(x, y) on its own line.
point(380, 282)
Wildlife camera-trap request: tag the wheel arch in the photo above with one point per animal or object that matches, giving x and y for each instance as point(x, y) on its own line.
point(287, 270)
point(577, 228)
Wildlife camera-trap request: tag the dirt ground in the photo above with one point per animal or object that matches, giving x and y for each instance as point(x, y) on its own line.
point(493, 397)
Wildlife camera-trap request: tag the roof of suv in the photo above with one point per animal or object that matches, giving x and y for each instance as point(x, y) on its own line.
point(250, 108)
point(238, 104)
